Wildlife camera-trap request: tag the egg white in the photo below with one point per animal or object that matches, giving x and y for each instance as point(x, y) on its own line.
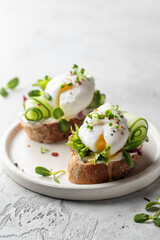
point(74, 100)
point(116, 138)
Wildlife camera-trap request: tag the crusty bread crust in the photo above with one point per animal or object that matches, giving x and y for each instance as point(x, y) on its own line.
point(87, 173)
point(49, 133)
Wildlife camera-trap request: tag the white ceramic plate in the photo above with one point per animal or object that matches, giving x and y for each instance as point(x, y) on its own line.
point(16, 147)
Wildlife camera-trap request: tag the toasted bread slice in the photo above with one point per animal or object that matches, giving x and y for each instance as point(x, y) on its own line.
point(87, 173)
point(49, 132)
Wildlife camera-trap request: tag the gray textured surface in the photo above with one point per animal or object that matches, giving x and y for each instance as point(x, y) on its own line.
point(118, 41)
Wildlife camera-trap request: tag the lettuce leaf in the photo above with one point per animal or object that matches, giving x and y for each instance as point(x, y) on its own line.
point(83, 151)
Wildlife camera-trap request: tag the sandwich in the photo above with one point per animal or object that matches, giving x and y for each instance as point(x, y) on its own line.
point(107, 146)
point(62, 102)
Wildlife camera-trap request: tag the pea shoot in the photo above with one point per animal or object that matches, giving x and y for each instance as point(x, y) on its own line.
point(46, 173)
point(143, 217)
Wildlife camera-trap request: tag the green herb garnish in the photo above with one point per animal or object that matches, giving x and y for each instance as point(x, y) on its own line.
point(109, 114)
point(44, 149)
point(90, 127)
point(101, 116)
point(103, 156)
point(128, 159)
point(64, 125)
point(70, 84)
point(143, 217)
point(90, 116)
point(45, 172)
point(77, 145)
point(12, 84)
point(58, 113)
point(83, 151)
point(42, 83)
point(64, 84)
point(80, 74)
point(133, 145)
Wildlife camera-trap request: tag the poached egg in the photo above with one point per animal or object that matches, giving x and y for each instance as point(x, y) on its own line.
point(99, 130)
point(69, 94)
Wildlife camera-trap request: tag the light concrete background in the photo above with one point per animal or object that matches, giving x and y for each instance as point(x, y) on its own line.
point(119, 43)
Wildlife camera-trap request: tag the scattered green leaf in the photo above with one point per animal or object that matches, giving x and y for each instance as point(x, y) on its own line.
point(143, 217)
point(43, 171)
point(3, 92)
point(46, 173)
point(44, 149)
point(12, 84)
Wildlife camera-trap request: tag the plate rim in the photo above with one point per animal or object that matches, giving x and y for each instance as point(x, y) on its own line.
point(9, 167)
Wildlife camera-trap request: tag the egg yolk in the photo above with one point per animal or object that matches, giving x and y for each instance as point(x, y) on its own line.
point(101, 143)
point(65, 88)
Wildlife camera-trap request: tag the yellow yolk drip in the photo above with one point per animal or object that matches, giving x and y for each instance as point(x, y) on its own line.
point(101, 143)
point(65, 88)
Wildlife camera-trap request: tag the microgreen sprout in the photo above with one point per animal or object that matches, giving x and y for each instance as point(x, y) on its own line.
point(42, 83)
point(80, 74)
point(143, 217)
point(109, 114)
point(64, 84)
point(90, 127)
point(12, 84)
point(46, 173)
point(90, 116)
point(44, 149)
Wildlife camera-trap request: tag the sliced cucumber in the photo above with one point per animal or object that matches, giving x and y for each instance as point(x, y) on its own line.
point(33, 114)
point(44, 102)
point(138, 126)
point(40, 103)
